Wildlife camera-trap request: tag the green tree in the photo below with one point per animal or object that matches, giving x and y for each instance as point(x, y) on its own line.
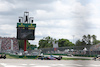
point(46, 42)
point(83, 42)
point(78, 43)
point(84, 38)
point(64, 43)
point(94, 39)
point(21, 45)
point(31, 47)
point(88, 40)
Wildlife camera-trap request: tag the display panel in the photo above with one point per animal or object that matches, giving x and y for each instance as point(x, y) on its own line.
point(25, 34)
point(26, 31)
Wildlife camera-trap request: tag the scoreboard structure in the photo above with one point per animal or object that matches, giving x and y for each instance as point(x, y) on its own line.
point(26, 28)
point(26, 31)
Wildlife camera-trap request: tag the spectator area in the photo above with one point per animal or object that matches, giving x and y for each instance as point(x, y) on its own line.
point(5, 43)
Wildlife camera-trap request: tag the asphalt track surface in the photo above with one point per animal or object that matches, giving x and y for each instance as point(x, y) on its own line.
point(48, 63)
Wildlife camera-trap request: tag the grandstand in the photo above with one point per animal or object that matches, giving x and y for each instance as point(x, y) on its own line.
point(8, 44)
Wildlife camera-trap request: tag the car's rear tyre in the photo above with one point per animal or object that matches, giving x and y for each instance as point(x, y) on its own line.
point(4, 57)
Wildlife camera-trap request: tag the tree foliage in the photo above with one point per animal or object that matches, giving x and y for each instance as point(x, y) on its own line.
point(29, 46)
point(46, 42)
point(64, 43)
point(87, 40)
point(80, 43)
point(21, 44)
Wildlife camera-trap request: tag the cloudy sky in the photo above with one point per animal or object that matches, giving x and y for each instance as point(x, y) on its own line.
point(55, 18)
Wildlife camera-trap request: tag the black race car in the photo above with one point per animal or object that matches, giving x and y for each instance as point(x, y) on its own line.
point(51, 57)
point(97, 58)
point(3, 56)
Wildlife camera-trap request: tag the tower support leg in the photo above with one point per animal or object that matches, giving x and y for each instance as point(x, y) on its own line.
point(25, 44)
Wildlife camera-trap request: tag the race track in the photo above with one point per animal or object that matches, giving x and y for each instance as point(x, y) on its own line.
point(48, 63)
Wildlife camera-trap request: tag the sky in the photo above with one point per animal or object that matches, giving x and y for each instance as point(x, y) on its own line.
point(69, 19)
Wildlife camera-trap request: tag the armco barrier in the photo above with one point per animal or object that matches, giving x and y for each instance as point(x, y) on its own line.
point(23, 57)
point(28, 57)
point(20, 56)
point(56, 54)
point(74, 55)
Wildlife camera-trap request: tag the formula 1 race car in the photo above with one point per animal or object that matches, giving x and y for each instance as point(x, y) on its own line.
point(97, 58)
point(3, 56)
point(51, 57)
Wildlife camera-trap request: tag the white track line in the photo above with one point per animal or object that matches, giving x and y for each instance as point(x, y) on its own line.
point(31, 64)
point(6, 65)
point(24, 64)
point(41, 66)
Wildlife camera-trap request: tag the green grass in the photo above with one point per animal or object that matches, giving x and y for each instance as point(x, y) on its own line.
point(74, 59)
point(16, 57)
point(10, 57)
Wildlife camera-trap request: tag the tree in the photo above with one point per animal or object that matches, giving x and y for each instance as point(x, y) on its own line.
point(64, 43)
point(94, 39)
point(31, 47)
point(80, 43)
point(88, 40)
point(84, 38)
point(21, 45)
point(46, 42)
point(83, 42)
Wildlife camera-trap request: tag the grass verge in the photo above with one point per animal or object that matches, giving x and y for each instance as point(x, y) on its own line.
point(74, 59)
point(11, 57)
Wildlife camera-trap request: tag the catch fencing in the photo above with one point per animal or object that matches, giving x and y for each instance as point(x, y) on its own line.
point(75, 50)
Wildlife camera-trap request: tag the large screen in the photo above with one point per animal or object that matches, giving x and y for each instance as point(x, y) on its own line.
point(25, 33)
